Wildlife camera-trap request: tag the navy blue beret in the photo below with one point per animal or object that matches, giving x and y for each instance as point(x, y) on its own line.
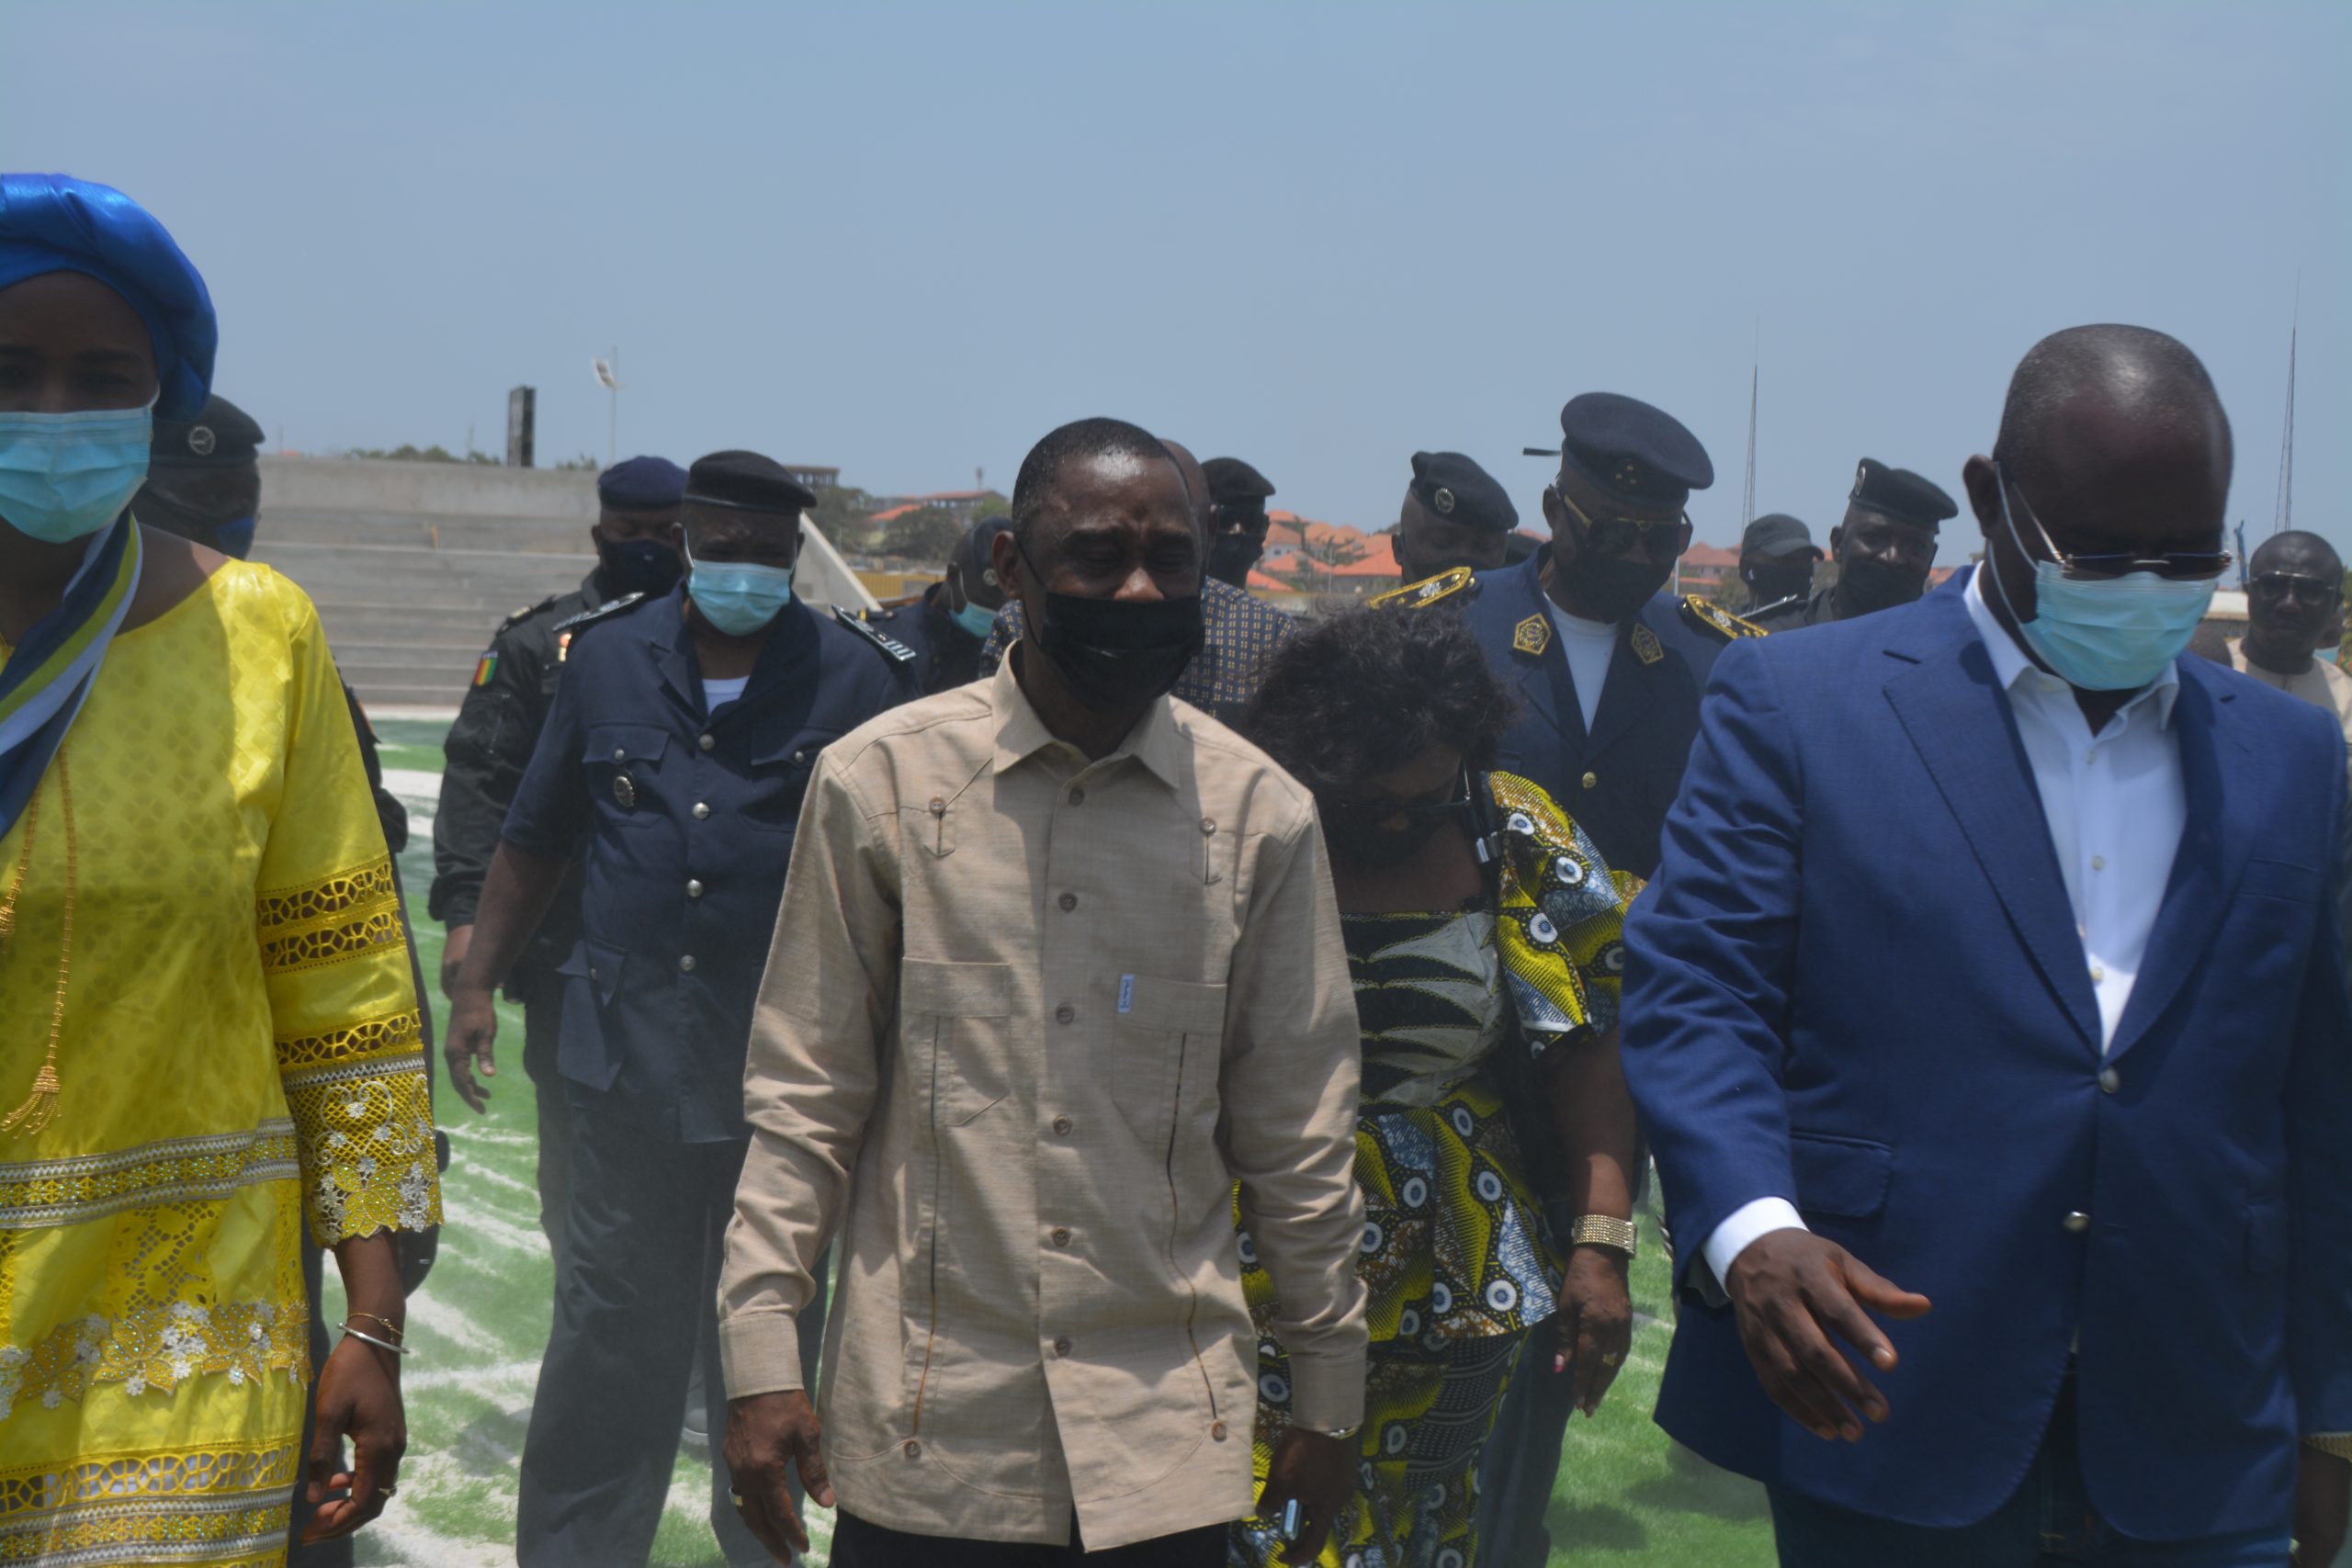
point(1628, 450)
point(1455, 487)
point(1901, 494)
point(747, 482)
point(1232, 481)
point(222, 436)
point(57, 223)
point(642, 484)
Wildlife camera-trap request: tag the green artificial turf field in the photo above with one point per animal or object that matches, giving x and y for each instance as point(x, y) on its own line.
point(1625, 1494)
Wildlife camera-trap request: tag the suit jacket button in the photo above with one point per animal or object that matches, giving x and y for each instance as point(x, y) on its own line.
point(1590, 780)
point(2076, 1223)
point(2111, 1080)
point(707, 741)
point(702, 810)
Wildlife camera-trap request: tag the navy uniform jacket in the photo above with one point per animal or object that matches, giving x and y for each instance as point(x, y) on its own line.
point(945, 655)
point(685, 820)
point(1618, 781)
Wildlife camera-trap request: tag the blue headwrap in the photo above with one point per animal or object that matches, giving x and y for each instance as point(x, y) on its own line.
point(57, 223)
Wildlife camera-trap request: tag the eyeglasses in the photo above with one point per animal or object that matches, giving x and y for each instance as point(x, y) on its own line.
point(2180, 566)
point(1246, 518)
point(2277, 585)
point(1370, 812)
point(1657, 539)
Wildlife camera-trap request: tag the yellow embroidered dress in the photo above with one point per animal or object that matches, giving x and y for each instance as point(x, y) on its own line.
point(239, 1044)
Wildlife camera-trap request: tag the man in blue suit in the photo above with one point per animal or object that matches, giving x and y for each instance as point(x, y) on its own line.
point(2067, 1054)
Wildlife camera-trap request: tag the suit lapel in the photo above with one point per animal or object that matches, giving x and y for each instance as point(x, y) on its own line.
point(1958, 721)
point(1543, 676)
point(2213, 849)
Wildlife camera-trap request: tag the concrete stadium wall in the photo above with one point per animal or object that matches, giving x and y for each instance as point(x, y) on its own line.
point(432, 490)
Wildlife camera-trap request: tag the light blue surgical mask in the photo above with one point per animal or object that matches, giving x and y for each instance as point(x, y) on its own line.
point(65, 475)
point(976, 619)
point(738, 597)
point(2113, 633)
point(2327, 655)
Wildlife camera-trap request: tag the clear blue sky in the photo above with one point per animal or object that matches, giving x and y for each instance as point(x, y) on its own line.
point(908, 241)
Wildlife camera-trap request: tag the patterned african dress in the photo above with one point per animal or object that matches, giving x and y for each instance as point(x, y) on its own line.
point(201, 878)
point(1455, 1262)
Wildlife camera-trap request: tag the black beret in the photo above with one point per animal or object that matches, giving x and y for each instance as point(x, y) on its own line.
point(642, 484)
point(973, 550)
point(1231, 480)
point(1637, 454)
point(1453, 487)
point(222, 436)
point(1776, 533)
point(1901, 494)
point(746, 482)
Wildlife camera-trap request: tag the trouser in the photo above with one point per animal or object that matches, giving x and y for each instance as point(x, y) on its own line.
point(861, 1543)
point(2047, 1522)
point(1522, 1457)
point(541, 993)
point(635, 1304)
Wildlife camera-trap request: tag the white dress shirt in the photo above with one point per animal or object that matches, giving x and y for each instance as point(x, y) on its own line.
point(1590, 647)
point(2115, 803)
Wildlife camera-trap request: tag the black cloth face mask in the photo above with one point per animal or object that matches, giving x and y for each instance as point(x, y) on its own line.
point(1232, 555)
point(1117, 654)
point(1869, 584)
point(1616, 588)
point(638, 566)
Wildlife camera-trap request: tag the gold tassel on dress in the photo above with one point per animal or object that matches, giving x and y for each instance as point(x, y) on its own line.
point(40, 1106)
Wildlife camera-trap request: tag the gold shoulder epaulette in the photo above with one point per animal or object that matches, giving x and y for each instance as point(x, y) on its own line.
point(1706, 615)
point(1427, 592)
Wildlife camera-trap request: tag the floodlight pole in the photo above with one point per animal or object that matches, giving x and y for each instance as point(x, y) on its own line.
point(613, 416)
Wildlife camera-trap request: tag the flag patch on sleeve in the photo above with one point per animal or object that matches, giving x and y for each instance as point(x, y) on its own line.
point(483, 670)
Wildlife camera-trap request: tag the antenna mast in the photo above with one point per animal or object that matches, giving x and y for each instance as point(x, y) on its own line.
point(2283, 513)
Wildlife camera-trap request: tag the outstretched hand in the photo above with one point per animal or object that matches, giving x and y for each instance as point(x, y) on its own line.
point(1791, 1291)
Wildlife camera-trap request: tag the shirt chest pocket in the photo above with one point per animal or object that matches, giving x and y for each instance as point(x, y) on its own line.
point(780, 773)
point(1167, 1044)
point(958, 1023)
point(623, 764)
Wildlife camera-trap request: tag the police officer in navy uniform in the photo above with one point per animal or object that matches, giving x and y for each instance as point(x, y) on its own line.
point(488, 748)
point(674, 760)
point(1777, 556)
point(1884, 550)
point(1455, 514)
point(948, 627)
point(1609, 671)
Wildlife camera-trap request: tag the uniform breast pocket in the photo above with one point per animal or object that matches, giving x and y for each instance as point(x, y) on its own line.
point(622, 762)
point(1168, 1038)
point(963, 1013)
point(780, 773)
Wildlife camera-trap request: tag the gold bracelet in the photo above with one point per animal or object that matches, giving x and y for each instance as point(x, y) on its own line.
point(1603, 1230)
point(394, 1329)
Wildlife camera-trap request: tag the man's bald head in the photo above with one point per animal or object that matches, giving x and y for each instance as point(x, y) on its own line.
point(2079, 389)
point(2298, 554)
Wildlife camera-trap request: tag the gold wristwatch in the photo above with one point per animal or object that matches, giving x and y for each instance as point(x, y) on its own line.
point(1603, 1230)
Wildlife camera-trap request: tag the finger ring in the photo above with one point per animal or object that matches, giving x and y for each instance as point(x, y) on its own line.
point(391, 1491)
point(1610, 1359)
point(736, 1499)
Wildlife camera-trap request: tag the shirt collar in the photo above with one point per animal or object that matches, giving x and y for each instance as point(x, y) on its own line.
point(2011, 666)
point(1155, 741)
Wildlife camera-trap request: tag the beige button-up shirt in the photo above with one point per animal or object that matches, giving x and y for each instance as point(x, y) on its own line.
point(1026, 1021)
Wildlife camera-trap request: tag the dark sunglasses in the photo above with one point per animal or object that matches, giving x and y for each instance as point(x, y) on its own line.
point(1249, 519)
point(1657, 539)
point(2278, 585)
point(1376, 811)
point(2180, 566)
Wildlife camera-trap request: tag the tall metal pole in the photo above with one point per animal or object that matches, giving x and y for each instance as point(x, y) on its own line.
point(1748, 493)
point(613, 418)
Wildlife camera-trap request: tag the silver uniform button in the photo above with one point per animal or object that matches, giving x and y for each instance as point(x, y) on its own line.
point(686, 962)
point(620, 753)
point(693, 887)
point(2111, 1080)
point(707, 741)
point(2076, 1223)
point(702, 809)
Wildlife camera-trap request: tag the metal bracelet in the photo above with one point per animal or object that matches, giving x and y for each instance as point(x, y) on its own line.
point(394, 1329)
point(1604, 1230)
point(366, 1338)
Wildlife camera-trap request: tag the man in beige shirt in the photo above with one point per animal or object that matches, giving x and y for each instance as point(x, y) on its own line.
point(2294, 585)
point(1057, 965)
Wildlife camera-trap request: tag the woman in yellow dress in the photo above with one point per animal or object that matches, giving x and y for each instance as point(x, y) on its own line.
point(208, 1033)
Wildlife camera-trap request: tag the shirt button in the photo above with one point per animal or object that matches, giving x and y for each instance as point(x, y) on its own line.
point(1065, 1013)
point(2111, 1080)
point(2098, 973)
point(1590, 780)
point(2091, 755)
point(912, 1450)
point(2098, 863)
point(686, 962)
point(1208, 825)
point(2076, 1222)
point(1077, 798)
point(707, 741)
point(1061, 1236)
point(1061, 1346)
point(1069, 901)
point(1061, 1127)
point(693, 887)
point(702, 810)
point(1216, 1430)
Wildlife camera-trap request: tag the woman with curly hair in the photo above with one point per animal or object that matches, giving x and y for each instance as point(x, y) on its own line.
point(1484, 939)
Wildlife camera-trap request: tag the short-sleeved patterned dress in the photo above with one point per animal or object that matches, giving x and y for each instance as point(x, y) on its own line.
point(1455, 1261)
point(240, 1042)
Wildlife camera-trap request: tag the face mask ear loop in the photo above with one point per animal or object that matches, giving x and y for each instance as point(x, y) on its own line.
point(2001, 479)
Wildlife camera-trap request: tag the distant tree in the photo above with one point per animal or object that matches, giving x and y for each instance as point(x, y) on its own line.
point(926, 534)
point(582, 464)
point(436, 452)
point(841, 514)
point(1332, 551)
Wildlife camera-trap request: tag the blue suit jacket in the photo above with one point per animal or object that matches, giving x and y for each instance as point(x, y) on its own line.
point(1856, 984)
point(1641, 733)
